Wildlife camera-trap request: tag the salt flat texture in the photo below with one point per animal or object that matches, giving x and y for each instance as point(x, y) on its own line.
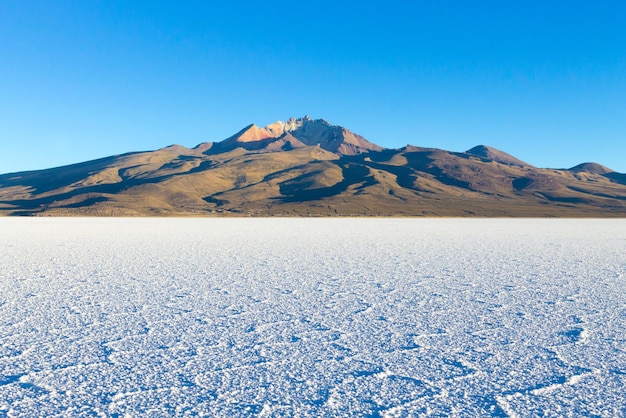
point(312, 317)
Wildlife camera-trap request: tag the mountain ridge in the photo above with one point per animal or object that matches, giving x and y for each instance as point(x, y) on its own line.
point(490, 153)
point(296, 133)
point(307, 167)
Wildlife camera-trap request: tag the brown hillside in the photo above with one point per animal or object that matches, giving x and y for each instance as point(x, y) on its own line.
point(311, 168)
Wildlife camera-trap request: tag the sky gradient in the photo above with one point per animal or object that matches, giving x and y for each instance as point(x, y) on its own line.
point(542, 80)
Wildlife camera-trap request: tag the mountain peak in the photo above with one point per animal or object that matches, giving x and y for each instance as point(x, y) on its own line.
point(293, 124)
point(593, 168)
point(300, 132)
point(253, 133)
point(330, 137)
point(496, 155)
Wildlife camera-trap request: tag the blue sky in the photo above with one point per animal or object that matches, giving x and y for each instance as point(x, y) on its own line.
point(542, 80)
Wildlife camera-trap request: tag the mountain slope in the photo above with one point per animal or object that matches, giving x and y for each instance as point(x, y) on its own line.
point(493, 154)
point(295, 133)
point(309, 167)
point(593, 168)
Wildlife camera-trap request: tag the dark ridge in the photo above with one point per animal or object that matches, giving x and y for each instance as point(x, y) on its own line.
point(600, 194)
point(563, 199)
point(352, 174)
point(383, 155)
point(43, 181)
point(221, 147)
point(422, 161)
point(214, 200)
point(616, 177)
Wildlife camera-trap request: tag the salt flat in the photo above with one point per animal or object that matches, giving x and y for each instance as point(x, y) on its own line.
point(312, 317)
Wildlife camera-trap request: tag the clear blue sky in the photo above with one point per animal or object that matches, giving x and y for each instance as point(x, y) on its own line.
point(542, 80)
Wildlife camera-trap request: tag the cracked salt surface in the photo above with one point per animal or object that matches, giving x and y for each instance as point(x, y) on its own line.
point(312, 317)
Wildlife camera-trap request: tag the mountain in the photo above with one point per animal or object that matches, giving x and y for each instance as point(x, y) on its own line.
point(493, 154)
point(294, 133)
point(305, 167)
point(594, 168)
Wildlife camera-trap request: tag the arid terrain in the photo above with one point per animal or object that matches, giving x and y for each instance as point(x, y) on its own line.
point(306, 167)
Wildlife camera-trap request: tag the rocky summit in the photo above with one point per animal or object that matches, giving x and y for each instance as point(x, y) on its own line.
point(309, 167)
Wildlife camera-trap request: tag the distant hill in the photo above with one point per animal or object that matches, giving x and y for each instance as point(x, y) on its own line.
point(306, 167)
point(593, 168)
point(493, 154)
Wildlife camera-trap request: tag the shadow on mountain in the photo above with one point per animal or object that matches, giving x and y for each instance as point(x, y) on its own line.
point(219, 147)
point(616, 177)
point(215, 201)
point(203, 166)
point(405, 176)
point(381, 156)
point(42, 181)
point(423, 161)
point(295, 190)
point(521, 183)
point(565, 199)
point(179, 162)
point(595, 193)
point(41, 203)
